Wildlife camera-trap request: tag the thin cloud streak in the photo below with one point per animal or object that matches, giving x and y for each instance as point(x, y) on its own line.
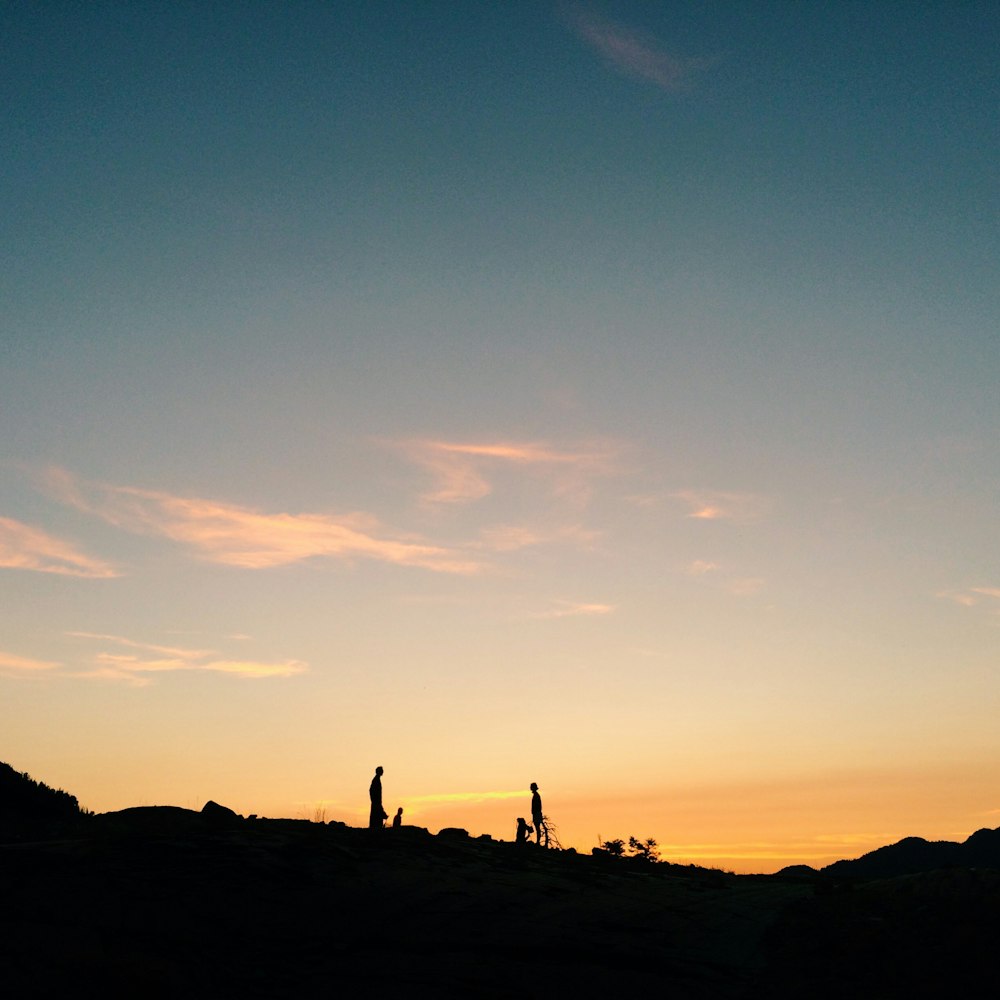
point(254, 669)
point(634, 54)
point(134, 669)
point(25, 547)
point(170, 651)
point(736, 586)
point(511, 538)
point(717, 505)
point(458, 467)
point(568, 609)
point(702, 566)
point(11, 663)
point(987, 591)
point(966, 600)
point(974, 596)
point(238, 536)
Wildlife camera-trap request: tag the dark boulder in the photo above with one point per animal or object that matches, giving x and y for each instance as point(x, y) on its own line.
point(220, 816)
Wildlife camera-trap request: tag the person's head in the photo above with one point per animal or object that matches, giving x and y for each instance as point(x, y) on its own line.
point(378, 770)
point(534, 787)
point(399, 811)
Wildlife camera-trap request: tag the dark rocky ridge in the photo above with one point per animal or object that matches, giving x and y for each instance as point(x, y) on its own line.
point(914, 854)
point(168, 902)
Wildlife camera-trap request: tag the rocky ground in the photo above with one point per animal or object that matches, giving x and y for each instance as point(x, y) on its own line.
point(163, 902)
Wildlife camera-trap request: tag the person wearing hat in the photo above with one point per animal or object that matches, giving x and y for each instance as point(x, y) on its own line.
point(536, 812)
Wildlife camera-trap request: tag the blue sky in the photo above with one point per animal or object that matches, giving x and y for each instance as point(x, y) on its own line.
point(553, 386)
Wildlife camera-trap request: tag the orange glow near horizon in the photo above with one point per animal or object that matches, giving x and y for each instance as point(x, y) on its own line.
point(390, 424)
point(753, 828)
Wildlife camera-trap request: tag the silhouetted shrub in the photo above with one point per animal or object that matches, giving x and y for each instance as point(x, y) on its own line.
point(642, 850)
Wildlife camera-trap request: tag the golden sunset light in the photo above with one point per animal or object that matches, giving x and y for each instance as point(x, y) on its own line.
point(596, 395)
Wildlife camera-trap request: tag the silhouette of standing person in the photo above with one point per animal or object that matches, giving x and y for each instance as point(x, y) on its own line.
point(397, 820)
point(536, 812)
point(378, 815)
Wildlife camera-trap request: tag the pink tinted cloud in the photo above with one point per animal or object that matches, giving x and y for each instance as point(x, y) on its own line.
point(571, 609)
point(973, 596)
point(512, 537)
point(716, 505)
point(25, 547)
point(173, 652)
point(702, 566)
point(148, 659)
point(239, 536)
point(632, 53)
point(10, 664)
point(125, 666)
point(460, 469)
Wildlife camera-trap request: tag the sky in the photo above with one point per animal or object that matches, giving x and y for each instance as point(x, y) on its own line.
point(601, 395)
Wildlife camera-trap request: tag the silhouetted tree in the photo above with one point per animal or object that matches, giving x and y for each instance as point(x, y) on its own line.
point(643, 850)
point(616, 848)
point(550, 835)
point(646, 850)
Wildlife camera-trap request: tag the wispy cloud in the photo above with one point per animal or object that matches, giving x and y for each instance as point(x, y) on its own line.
point(634, 53)
point(11, 664)
point(992, 592)
point(570, 609)
point(511, 538)
point(461, 470)
point(966, 600)
point(702, 566)
point(970, 597)
point(717, 505)
point(25, 547)
point(723, 579)
point(173, 652)
point(253, 668)
point(136, 667)
point(239, 536)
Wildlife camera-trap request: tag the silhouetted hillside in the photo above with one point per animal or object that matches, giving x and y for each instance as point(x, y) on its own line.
point(914, 854)
point(165, 902)
point(29, 808)
point(799, 871)
point(914, 937)
point(159, 901)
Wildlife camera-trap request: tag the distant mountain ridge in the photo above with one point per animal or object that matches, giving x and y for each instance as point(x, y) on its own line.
point(913, 855)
